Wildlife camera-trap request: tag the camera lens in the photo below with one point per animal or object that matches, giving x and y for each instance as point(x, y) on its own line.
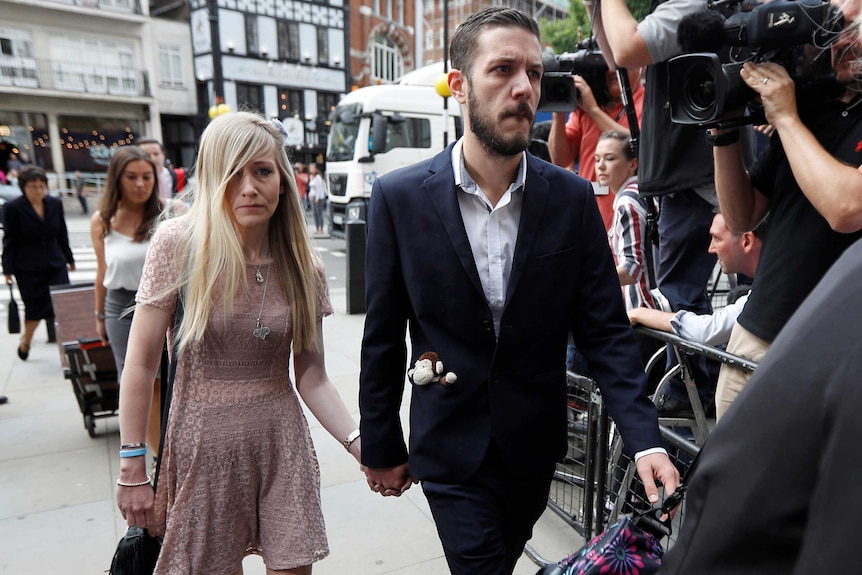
point(559, 92)
point(700, 90)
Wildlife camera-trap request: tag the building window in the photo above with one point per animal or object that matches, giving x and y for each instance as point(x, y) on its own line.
point(249, 97)
point(387, 64)
point(290, 103)
point(288, 40)
point(326, 102)
point(120, 5)
point(17, 66)
point(170, 66)
point(323, 46)
point(92, 65)
point(251, 34)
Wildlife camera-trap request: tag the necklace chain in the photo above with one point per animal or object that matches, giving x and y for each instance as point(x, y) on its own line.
point(260, 331)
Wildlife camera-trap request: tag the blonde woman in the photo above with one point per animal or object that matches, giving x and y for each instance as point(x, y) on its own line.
point(239, 473)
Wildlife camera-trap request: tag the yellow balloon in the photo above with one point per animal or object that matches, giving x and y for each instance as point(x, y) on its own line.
point(442, 86)
point(218, 110)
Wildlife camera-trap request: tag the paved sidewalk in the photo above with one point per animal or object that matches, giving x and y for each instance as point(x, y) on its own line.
point(57, 511)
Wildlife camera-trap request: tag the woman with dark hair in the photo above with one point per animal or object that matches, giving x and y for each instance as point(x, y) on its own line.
point(120, 231)
point(36, 251)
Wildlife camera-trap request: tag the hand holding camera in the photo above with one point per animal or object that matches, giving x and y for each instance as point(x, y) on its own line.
point(586, 99)
point(706, 82)
point(776, 89)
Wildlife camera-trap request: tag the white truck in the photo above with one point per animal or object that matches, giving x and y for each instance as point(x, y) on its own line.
point(378, 129)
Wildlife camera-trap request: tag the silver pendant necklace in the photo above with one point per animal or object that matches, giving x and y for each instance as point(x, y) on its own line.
point(260, 331)
point(257, 276)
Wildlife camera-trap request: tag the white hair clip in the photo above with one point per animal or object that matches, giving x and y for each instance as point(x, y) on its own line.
point(277, 123)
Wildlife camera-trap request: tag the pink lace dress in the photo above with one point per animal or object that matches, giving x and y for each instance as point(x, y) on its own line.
point(239, 472)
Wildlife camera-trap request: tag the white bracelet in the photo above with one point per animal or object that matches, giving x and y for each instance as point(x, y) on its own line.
point(348, 441)
point(121, 484)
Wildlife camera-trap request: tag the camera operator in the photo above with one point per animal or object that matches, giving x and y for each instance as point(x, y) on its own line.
point(575, 140)
point(808, 179)
point(674, 163)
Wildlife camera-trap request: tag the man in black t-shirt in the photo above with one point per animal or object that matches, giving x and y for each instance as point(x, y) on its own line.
point(808, 179)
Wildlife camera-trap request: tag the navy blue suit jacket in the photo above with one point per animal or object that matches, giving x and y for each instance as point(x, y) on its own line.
point(421, 275)
point(31, 243)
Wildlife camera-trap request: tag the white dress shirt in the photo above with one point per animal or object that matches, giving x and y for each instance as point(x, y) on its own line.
point(492, 230)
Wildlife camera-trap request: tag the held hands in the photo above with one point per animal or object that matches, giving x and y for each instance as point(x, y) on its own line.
point(390, 481)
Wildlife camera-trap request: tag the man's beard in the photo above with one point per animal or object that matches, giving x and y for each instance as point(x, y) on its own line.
point(488, 133)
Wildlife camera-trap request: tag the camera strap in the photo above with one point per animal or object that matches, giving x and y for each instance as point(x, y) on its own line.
point(649, 203)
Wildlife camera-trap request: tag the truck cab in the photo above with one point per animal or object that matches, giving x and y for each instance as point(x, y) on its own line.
point(378, 129)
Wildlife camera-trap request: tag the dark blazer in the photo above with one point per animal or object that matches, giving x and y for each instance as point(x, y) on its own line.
point(776, 489)
point(420, 273)
point(31, 243)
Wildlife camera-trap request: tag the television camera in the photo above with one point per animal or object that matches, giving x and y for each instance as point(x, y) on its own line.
point(558, 91)
point(704, 83)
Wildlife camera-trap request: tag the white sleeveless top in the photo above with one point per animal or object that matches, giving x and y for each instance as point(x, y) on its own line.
point(125, 261)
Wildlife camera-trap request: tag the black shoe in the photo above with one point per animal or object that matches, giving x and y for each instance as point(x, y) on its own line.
point(23, 352)
point(669, 406)
point(3, 399)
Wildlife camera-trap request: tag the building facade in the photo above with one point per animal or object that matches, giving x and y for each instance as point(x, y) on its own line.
point(434, 11)
point(391, 37)
point(80, 78)
point(284, 59)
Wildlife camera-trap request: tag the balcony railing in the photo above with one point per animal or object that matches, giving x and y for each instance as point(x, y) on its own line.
point(73, 77)
point(128, 6)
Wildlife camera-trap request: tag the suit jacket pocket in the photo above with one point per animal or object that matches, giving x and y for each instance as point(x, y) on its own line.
point(558, 256)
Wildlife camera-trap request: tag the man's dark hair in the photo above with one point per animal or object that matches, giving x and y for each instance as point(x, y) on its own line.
point(143, 141)
point(31, 174)
point(463, 47)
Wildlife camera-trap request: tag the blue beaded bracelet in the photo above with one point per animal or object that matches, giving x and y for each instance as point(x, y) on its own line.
point(133, 452)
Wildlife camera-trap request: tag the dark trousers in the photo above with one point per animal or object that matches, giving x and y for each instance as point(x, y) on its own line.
point(684, 269)
point(485, 522)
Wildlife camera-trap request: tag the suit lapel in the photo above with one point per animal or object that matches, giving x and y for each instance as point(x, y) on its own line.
point(536, 189)
point(51, 209)
point(28, 211)
point(440, 187)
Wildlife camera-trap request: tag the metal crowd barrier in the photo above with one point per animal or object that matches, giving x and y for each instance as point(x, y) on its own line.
point(596, 482)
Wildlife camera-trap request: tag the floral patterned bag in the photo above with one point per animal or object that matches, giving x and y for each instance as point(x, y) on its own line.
point(631, 546)
point(624, 547)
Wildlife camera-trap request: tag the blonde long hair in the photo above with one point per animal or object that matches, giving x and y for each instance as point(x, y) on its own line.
point(215, 258)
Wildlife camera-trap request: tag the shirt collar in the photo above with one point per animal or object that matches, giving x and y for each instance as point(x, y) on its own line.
point(466, 183)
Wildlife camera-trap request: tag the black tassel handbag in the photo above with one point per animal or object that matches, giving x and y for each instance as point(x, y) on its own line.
point(137, 553)
point(14, 316)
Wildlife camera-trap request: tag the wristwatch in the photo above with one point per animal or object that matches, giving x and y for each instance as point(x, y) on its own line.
point(725, 139)
point(348, 441)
